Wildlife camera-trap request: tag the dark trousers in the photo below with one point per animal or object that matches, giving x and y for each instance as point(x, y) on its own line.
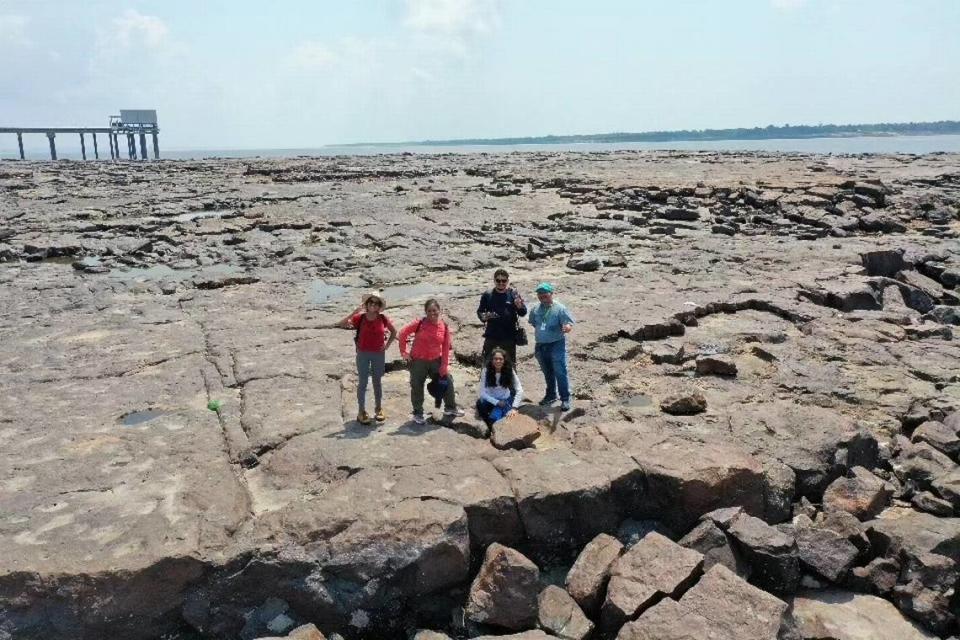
point(420, 370)
point(508, 345)
point(484, 408)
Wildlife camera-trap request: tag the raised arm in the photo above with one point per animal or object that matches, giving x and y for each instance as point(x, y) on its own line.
point(519, 303)
point(347, 321)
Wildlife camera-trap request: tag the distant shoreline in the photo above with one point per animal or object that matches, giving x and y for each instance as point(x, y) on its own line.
point(786, 132)
point(916, 144)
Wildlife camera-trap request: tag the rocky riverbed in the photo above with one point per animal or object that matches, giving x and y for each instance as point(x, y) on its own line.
point(763, 442)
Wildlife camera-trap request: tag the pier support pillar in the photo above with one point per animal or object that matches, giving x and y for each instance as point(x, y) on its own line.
point(20, 144)
point(83, 147)
point(53, 145)
point(131, 147)
point(114, 146)
point(96, 152)
point(143, 146)
point(156, 147)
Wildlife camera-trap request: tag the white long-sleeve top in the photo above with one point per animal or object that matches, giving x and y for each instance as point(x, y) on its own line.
point(497, 393)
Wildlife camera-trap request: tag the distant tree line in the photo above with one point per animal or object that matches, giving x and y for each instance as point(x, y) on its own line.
point(756, 133)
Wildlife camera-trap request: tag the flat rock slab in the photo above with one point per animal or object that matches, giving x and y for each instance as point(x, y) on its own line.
point(862, 494)
point(842, 615)
point(505, 591)
point(587, 578)
point(716, 547)
point(939, 436)
point(149, 477)
point(825, 552)
point(686, 479)
point(721, 606)
point(567, 498)
point(130, 509)
point(559, 614)
point(916, 533)
point(654, 568)
point(772, 554)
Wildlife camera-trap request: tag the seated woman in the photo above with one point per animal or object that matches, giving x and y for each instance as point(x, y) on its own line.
point(500, 389)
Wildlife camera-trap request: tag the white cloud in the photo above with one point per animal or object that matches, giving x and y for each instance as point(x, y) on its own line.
point(787, 5)
point(13, 30)
point(453, 17)
point(134, 28)
point(310, 56)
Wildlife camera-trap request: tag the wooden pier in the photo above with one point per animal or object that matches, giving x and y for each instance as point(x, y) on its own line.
point(130, 124)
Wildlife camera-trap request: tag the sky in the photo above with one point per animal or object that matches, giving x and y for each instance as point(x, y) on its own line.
point(233, 74)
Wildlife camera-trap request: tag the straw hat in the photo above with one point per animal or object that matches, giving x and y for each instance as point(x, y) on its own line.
point(374, 294)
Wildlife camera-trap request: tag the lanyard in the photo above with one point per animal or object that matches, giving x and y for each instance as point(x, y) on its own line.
point(546, 317)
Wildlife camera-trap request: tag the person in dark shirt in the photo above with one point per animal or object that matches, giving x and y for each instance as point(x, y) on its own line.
point(500, 309)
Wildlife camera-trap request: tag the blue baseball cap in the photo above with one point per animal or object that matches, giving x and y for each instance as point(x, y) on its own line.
point(544, 287)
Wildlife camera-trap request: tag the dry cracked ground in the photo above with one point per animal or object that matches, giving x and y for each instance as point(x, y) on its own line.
point(767, 331)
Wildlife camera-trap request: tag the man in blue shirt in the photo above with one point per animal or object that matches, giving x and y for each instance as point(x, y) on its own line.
point(552, 322)
point(499, 310)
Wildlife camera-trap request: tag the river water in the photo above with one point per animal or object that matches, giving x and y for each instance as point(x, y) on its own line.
point(852, 145)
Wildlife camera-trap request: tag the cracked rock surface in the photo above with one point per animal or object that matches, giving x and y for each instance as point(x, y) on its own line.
point(806, 303)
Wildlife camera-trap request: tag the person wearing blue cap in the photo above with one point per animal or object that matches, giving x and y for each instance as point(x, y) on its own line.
point(551, 323)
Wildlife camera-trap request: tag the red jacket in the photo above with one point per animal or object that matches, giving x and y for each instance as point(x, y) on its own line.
point(430, 341)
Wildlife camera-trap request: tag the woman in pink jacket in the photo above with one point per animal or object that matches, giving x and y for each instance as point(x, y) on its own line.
point(429, 357)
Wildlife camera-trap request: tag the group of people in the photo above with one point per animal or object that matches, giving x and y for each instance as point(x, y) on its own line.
point(427, 342)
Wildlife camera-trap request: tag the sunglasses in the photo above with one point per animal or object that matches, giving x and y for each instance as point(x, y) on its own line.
point(501, 280)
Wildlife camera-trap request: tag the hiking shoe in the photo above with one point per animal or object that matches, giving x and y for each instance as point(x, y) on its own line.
point(419, 419)
point(565, 405)
point(380, 416)
point(454, 413)
point(363, 418)
point(546, 402)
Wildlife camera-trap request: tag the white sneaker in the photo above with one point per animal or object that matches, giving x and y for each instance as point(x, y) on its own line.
point(455, 413)
point(419, 419)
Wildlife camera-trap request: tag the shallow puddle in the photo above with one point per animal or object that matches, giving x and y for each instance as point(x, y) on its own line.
point(321, 292)
point(139, 417)
point(638, 400)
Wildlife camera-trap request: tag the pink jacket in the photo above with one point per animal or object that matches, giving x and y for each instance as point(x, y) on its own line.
point(430, 341)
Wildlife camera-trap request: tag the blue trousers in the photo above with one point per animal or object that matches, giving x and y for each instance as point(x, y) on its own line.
point(552, 357)
point(370, 362)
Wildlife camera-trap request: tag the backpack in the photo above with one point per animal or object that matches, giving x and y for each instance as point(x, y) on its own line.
point(356, 336)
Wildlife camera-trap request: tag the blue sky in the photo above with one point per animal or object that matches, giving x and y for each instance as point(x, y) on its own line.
point(290, 73)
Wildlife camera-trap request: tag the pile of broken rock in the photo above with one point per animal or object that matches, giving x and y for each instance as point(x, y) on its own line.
point(877, 558)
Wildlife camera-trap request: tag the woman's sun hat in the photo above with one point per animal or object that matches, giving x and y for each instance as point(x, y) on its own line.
point(375, 295)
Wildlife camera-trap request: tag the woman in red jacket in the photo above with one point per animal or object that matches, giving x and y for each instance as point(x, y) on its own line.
point(371, 326)
point(429, 357)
